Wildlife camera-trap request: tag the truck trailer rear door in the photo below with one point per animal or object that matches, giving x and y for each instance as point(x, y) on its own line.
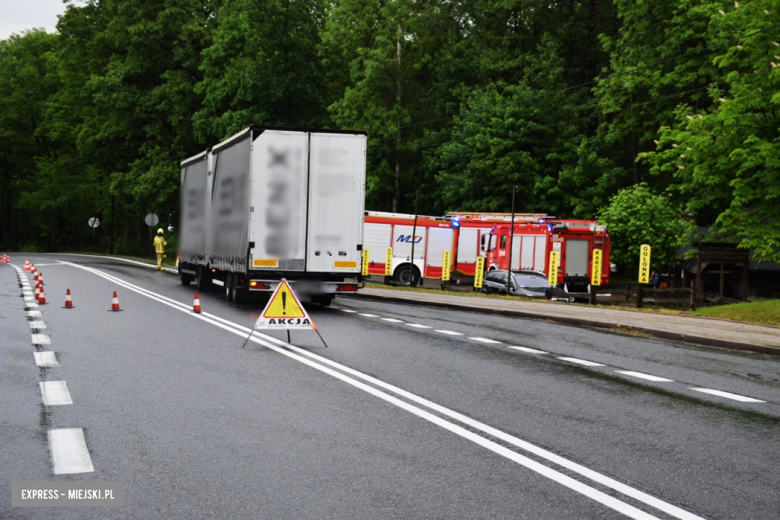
point(336, 186)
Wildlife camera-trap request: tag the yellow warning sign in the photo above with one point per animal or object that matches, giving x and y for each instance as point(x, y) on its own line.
point(389, 261)
point(595, 275)
point(364, 263)
point(644, 264)
point(445, 266)
point(552, 268)
point(284, 311)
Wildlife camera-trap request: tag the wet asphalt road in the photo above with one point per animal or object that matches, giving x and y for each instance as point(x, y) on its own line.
point(196, 427)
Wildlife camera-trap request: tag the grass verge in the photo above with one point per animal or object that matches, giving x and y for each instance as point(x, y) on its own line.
point(766, 312)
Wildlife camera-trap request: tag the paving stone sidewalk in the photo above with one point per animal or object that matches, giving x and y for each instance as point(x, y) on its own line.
point(707, 331)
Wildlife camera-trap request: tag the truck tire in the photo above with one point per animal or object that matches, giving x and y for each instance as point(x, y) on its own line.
point(228, 288)
point(203, 279)
point(401, 275)
point(237, 293)
point(324, 300)
point(185, 278)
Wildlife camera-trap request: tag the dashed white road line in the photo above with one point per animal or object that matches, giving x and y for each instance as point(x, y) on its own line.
point(34, 314)
point(369, 315)
point(486, 340)
point(530, 350)
point(649, 377)
point(450, 332)
point(41, 339)
point(348, 310)
point(31, 305)
point(46, 359)
point(323, 365)
point(37, 324)
point(392, 320)
point(55, 393)
point(418, 326)
point(69, 453)
point(727, 395)
point(581, 361)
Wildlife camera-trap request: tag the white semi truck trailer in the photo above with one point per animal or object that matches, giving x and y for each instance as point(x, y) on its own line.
point(271, 203)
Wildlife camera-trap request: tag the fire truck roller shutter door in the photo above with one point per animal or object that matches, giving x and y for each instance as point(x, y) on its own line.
point(577, 257)
point(467, 245)
point(527, 251)
point(540, 254)
point(376, 238)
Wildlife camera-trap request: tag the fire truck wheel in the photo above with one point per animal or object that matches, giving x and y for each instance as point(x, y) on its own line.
point(402, 275)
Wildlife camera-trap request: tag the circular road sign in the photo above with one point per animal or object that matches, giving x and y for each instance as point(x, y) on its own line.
point(94, 222)
point(151, 219)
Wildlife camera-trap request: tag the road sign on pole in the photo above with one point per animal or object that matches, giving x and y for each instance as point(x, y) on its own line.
point(644, 264)
point(445, 266)
point(389, 261)
point(364, 263)
point(94, 222)
point(479, 274)
point(595, 275)
point(552, 275)
point(151, 220)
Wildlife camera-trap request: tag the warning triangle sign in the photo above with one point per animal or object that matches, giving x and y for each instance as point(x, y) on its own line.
point(284, 311)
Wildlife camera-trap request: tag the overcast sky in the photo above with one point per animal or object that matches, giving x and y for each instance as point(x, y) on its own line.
point(18, 15)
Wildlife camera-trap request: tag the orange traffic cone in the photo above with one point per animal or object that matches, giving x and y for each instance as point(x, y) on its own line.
point(37, 293)
point(68, 301)
point(26, 264)
point(42, 298)
point(196, 304)
point(115, 303)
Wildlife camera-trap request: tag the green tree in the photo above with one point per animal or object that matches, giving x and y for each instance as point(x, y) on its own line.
point(725, 157)
point(637, 216)
point(263, 68)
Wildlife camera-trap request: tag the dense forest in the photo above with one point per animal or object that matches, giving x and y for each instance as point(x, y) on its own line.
point(573, 102)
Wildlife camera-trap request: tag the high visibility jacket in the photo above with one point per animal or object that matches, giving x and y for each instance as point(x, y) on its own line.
point(159, 244)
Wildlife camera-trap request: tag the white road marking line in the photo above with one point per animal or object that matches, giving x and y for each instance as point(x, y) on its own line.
point(530, 350)
point(31, 305)
point(29, 298)
point(45, 359)
point(55, 393)
point(418, 326)
point(144, 264)
point(640, 375)
point(34, 314)
point(300, 355)
point(450, 332)
point(581, 362)
point(485, 340)
point(41, 339)
point(348, 310)
point(37, 324)
point(727, 395)
point(392, 320)
point(369, 315)
point(69, 453)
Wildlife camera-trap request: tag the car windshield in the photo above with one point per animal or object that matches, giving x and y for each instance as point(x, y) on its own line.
point(530, 280)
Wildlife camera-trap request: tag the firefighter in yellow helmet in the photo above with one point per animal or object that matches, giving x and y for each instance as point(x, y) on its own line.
point(159, 247)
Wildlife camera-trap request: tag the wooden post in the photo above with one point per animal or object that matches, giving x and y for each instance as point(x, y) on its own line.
point(745, 281)
point(699, 284)
point(639, 296)
point(722, 282)
point(592, 294)
point(693, 295)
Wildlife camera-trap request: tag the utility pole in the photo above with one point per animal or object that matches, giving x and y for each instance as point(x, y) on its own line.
point(511, 240)
point(414, 233)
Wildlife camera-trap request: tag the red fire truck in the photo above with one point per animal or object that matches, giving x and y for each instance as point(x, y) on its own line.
point(433, 236)
point(532, 243)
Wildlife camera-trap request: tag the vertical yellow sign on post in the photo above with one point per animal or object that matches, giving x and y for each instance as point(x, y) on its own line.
point(445, 266)
point(552, 271)
point(595, 274)
point(364, 264)
point(389, 262)
point(480, 272)
point(644, 264)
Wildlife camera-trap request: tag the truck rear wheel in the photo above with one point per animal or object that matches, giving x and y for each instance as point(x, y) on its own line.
point(237, 293)
point(403, 276)
point(324, 300)
point(185, 278)
point(203, 279)
point(228, 288)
